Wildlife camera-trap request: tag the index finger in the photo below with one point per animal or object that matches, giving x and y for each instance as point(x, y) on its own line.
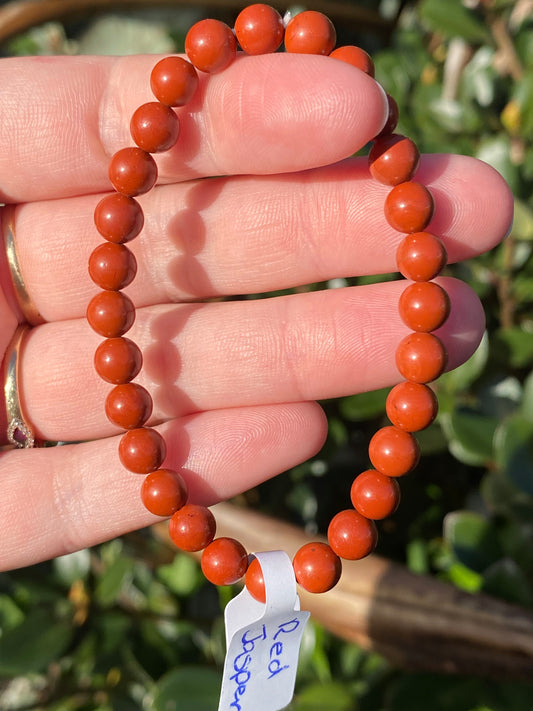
point(64, 116)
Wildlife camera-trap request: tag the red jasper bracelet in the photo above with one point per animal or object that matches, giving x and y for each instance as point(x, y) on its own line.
point(411, 405)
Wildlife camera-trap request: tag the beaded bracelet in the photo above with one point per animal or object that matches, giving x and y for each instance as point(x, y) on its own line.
point(411, 406)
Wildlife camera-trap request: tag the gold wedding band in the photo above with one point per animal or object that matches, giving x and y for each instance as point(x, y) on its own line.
point(19, 431)
point(28, 309)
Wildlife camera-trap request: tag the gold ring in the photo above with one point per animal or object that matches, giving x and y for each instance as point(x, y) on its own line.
point(28, 309)
point(19, 432)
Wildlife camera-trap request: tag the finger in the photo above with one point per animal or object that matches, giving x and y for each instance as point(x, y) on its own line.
point(269, 114)
point(210, 356)
point(249, 235)
point(61, 499)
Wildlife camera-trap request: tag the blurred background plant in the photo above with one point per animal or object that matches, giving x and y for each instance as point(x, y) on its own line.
point(128, 625)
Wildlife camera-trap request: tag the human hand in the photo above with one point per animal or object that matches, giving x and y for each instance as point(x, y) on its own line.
point(233, 381)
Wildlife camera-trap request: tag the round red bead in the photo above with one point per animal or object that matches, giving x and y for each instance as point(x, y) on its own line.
point(409, 207)
point(393, 159)
point(424, 306)
point(375, 495)
point(310, 32)
point(118, 360)
point(112, 266)
point(421, 256)
point(255, 582)
point(259, 29)
point(393, 452)
point(392, 117)
point(154, 127)
point(224, 561)
point(210, 45)
point(355, 56)
point(352, 536)
point(411, 406)
point(192, 528)
point(316, 567)
point(118, 218)
point(164, 492)
point(142, 450)
point(421, 357)
point(132, 171)
point(110, 313)
point(174, 81)
point(128, 406)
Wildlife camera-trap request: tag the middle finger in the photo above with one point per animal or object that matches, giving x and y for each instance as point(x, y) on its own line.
point(246, 235)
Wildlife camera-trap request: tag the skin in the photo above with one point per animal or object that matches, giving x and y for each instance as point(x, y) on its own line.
point(234, 382)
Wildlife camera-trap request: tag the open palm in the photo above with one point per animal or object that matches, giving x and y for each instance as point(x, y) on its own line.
point(234, 380)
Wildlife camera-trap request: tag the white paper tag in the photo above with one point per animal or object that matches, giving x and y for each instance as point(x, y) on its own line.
point(263, 641)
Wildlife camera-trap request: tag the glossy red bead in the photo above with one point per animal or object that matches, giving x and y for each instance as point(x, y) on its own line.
point(392, 117)
point(259, 29)
point(132, 171)
point(424, 306)
point(163, 492)
point(316, 567)
point(128, 406)
point(409, 207)
point(393, 159)
point(110, 313)
point(310, 32)
point(255, 582)
point(211, 46)
point(192, 528)
point(355, 56)
point(351, 535)
point(118, 360)
point(142, 450)
point(421, 357)
point(118, 218)
point(421, 256)
point(154, 127)
point(375, 495)
point(411, 406)
point(393, 452)
point(174, 81)
point(112, 266)
point(224, 561)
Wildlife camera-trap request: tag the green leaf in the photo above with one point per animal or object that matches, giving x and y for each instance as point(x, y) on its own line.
point(523, 97)
point(504, 579)
point(114, 580)
point(472, 539)
point(496, 150)
point(470, 434)
point(523, 221)
point(527, 399)
point(513, 444)
point(10, 614)
point(364, 406)
point(182, 576)
point(453, 19)
point(188, 689)
point(71, 567)
point(33, 644)
point(317, 697)
point(500, 396)
point(464, 375)
point(514, 347)
point(464, 578)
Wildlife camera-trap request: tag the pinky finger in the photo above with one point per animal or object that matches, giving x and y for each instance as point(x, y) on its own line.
point(62, 499)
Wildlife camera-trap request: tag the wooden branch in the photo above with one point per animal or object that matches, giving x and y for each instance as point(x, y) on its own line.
point(417, 622)
point(19, 15)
